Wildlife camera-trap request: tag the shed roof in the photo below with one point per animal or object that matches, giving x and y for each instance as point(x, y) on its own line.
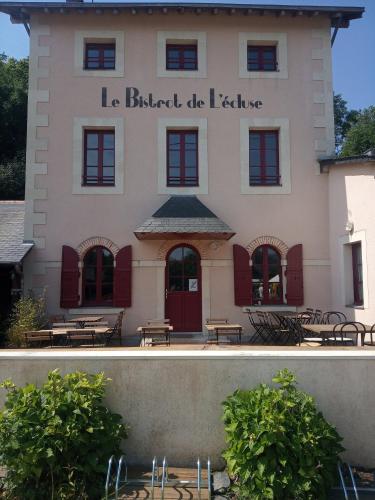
point(340, 16)
point(12, 246)
point(183, 216)
point(327, 163)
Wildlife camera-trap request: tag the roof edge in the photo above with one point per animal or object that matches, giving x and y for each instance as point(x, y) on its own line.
point(340, 15)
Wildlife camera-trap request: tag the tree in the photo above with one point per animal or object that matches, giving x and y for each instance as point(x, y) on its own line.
point(344, 119)
point(361, 135)
point(13, 119)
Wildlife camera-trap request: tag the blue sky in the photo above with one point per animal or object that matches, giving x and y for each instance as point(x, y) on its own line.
point(353, 51)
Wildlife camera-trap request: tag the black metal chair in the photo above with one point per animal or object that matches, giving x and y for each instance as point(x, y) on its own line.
point(258, 326)
point(371, 341)
point(347, 333)
point(115, 331)
point(306, 317)
point(333, 317)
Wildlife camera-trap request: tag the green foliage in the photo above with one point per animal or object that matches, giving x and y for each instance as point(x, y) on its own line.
point(13, 105)
point(56, 441)
point(344, 119)
point(13, 119)
point(12, 178)
point(361, 136)
point(29, 313)
point(280, 445)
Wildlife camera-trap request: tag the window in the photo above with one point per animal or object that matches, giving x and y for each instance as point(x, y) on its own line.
point(99, 158)
point(261, 58)
point(357, 274)
point(266, 276)
point(98, 277)
point(100, 56)
point(182, 158)
point(181, 57)
point(264, 158)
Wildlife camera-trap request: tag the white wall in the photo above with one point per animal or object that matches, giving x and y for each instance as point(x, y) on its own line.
point(172, 399)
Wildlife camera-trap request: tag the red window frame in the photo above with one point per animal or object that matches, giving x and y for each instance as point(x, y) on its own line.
point(100, 179)
point(265, 272)
point(263, 179)
point(182, 180)
point(357, 273)
point(260, 60)
point(102, 60)
point(181, 59)
point(99, 300)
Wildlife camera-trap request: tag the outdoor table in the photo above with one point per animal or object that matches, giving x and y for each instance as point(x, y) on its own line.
point(325, 331)
point(61, 333)
point(156, 330)
point(85, 319)
point(225, 329)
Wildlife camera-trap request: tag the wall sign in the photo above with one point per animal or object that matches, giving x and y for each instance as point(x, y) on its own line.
point(193, 285)
point(214, 100)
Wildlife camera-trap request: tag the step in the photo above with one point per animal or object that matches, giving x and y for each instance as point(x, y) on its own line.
point(172, 490)
point(176, 493)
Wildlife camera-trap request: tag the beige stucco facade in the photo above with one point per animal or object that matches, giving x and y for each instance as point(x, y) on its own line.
point(64, 99)
point(351, 218)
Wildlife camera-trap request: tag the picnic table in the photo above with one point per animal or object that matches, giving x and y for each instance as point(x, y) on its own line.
point(224, 329)
point(82, 320)
point(61, 334)
point(159, 333)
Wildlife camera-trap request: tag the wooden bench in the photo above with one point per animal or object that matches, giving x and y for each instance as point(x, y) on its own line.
point(222, 327)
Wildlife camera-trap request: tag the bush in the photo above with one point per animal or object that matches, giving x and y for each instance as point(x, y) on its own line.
point(280, 445)
point(29, 313)
point(56, 441)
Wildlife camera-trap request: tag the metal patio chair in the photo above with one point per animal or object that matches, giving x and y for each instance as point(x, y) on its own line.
point(115, 331)
point(371, 333)
point(347, 333)
point(333, 317)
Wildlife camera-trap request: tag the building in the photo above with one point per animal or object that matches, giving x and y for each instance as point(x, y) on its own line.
point(173, 159)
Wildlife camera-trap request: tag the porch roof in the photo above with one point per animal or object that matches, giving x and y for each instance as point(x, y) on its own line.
point(13, 249)
point(184, 216)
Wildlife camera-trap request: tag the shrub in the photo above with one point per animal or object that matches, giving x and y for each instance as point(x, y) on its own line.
point(280, 445)
point(56, 441)
point(29, 313)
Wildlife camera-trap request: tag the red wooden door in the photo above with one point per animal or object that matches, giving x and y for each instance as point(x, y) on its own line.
point(183, 292)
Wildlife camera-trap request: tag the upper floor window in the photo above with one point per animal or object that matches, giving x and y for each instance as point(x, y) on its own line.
point(261, 58)
point(99, 158)
point(264, 158)
point(182, 158)
point(267, 276)
point(357, 274)
point(100, 56)
point(181, 57)
point(98, 277)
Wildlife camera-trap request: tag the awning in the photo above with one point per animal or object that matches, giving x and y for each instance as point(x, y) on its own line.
point(13, 248)
point(182, 217)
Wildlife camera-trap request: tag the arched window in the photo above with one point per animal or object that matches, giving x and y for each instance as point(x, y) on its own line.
point(267, 276)
point(98, 277)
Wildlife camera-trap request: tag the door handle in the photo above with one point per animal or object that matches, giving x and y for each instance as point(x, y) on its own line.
point(166, 293)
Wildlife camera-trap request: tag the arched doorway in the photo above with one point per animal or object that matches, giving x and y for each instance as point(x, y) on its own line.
point(183, 289)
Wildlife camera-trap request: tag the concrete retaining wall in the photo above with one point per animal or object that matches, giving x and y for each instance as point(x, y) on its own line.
point(172, 400)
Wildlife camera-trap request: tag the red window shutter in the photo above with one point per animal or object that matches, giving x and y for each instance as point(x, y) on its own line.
point(242, 276)
point(69, 296)
point(122, 287)
point(294, 276)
